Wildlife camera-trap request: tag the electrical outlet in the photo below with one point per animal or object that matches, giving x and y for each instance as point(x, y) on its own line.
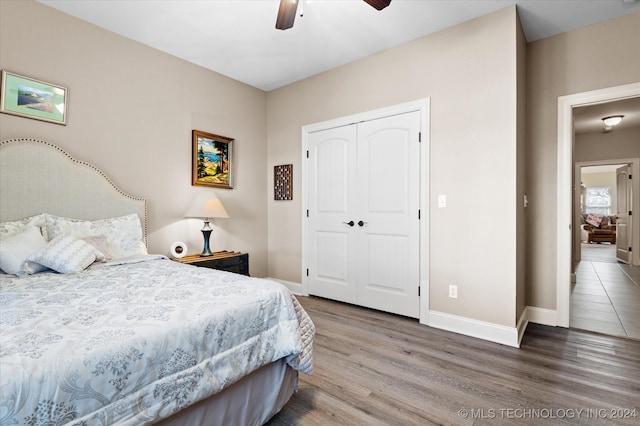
point(453, 291)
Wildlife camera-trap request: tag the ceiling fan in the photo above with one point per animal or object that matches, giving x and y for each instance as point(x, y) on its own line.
point(288, 8)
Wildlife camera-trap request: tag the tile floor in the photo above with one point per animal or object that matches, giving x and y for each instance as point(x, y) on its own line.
point(606, 295)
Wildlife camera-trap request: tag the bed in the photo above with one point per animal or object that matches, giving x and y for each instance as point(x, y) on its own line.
point(96, 331)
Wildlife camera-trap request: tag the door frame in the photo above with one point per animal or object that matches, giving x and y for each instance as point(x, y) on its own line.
point(628, 195)
point(632, 162)
point(564, 200)
point(421, 105)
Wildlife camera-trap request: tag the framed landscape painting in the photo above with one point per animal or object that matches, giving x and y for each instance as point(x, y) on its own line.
point(212, 160)
point(32, 98)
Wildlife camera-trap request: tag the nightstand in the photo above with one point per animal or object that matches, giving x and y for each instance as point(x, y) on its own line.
point(231, 261)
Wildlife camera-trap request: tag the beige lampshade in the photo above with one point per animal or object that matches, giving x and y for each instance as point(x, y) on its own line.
point(206, 205)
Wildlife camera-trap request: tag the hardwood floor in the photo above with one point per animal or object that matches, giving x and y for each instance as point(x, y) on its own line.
point(373, 368)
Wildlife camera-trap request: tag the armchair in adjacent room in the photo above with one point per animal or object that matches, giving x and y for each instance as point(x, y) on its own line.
point(600, 228)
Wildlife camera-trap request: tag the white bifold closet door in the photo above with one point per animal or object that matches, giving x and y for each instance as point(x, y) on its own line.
point(363, 224)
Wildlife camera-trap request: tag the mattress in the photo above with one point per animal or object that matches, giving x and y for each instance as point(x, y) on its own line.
point(137, 341)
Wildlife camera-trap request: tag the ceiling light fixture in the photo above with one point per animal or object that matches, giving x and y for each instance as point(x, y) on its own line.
point(612, 120)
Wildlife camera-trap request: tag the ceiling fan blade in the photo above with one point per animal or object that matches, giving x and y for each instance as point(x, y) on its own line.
point(286, 14)
point(378, 4)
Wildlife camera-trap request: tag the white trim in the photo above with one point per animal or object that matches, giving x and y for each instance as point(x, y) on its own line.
point(564, 234)
point(541, 315)
point(424, 298)
point(421, 105)
point(475, 328)
point(425, 168)
point(521, 326)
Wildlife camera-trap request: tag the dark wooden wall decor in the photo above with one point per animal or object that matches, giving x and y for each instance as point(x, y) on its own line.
point(283, 182)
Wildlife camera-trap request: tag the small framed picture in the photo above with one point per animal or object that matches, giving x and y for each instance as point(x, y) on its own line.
point(212, 162)
point(31, 98)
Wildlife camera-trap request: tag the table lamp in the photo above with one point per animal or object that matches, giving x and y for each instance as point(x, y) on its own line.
point(206, 206)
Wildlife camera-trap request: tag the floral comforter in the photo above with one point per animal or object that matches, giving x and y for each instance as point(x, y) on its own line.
point(134, 343)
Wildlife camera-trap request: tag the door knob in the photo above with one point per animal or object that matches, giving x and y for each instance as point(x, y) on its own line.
point(361, 223)
point(350, 223)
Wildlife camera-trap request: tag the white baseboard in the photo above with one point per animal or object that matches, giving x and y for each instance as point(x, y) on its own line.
point(474, 328)
point(493, 332)
point(509, 336)
point(541, 316)
point(521, 326)
point(295, 288)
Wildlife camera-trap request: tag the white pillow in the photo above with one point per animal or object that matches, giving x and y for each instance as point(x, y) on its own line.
point(15, 249)
point(101, 243)
point(65, 254)
point(11, 228)
point(124, 234)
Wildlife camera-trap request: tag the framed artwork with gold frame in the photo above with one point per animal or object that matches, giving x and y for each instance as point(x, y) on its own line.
point(212, 161)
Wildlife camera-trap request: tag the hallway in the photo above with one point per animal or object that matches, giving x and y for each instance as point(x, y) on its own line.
point(606, 295)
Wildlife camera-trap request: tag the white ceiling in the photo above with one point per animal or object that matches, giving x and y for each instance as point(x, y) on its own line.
point(238, 38)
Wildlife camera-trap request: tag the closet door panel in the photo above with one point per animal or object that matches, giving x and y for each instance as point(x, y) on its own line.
point(388, 168)
point(331, 249)
point(331, 184)
point(395, 252)
point(386, 179)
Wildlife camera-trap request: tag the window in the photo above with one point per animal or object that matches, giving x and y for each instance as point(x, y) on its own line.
point(598, 200)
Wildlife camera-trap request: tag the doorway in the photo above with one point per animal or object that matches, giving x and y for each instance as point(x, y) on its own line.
point(601, 190)
point(310, 242)
point(363, 191)
point(605, 294)
point(565, 190)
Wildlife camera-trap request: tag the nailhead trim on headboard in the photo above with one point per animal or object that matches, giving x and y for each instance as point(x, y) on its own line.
point(84, 163)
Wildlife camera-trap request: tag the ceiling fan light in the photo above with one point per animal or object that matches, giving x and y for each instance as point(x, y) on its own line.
point(612, 120)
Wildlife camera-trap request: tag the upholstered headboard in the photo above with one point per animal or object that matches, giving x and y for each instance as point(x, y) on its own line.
point(39, 177)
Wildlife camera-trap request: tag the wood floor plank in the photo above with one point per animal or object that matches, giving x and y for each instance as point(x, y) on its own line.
point(374, 368)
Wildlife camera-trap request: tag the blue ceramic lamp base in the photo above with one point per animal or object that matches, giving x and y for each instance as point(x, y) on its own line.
point(206, 234)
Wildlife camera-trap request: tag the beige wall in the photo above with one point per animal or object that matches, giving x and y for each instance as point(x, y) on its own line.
point(595, 57)
point(470, 74)
point(131, 112)
point(615, 145)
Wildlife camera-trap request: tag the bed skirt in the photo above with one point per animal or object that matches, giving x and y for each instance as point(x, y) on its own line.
point(253, 400)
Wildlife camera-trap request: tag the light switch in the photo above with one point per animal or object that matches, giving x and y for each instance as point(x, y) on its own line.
point(442, 201)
